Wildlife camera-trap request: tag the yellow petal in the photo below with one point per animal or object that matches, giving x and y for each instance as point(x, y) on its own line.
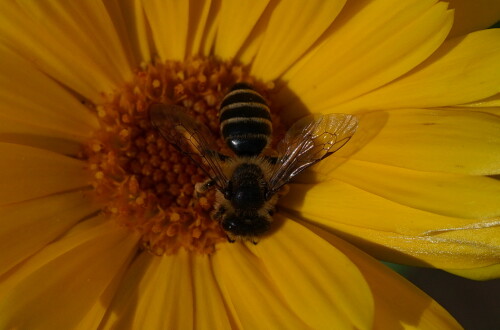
point(478, 274)
point(36, 111)
point(294, 26)
point(485, 104)
point(156, 293)
point(122, 309)
point(248, 291)
point(27, 227)
point(94, 316)
point(314, 263)
point(395, 232)
point(210, 29)
point(55, 288)
point(198, 18)
point(236, 21)
point(209, 309)
point(252, 44)
point(251, 47)
point(144, 286)
point(13, 131)
point(168, 297)
point(27, 173)
point(398, 303)
point(473, 15)
point(169, 25)
point(32, 97)
point(292, 280)
point(451, 140)
point(61, 38)
point(442, 193)
point(130, 23)
point(462, 70)
point(373, 44)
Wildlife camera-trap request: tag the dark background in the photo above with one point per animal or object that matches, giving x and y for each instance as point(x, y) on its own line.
point(474, 304)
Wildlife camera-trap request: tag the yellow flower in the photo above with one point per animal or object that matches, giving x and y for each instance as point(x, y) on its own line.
point(414, 185)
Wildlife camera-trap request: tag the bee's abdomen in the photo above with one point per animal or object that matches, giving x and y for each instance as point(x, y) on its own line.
point(245, 121)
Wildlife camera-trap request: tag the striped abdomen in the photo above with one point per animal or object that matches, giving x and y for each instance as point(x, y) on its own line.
point(245, 121)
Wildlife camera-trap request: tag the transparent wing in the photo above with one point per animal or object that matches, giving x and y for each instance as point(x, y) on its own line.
point(308, 141)
point(190, 137)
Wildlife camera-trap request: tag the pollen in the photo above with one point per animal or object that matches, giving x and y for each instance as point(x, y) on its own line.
point(143, 181)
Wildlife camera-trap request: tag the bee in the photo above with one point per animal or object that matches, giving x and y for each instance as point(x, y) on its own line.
point(248, 183)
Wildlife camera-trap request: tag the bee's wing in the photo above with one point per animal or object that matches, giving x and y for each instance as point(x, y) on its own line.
point(308, 141)
point(190, 137)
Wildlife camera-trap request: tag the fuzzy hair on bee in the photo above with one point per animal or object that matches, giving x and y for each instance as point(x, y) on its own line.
point(248, 183)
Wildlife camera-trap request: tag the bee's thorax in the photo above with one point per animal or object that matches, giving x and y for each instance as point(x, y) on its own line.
point(246, 190)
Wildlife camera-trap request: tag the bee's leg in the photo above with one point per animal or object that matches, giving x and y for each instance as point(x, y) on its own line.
point(201, 187)
point(271, 159)
point(271, 210)
point(284, 190)
point(222, 157)
point(230, 238)
point(212, 153)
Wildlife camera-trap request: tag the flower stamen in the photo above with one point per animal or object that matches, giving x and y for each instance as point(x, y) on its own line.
point(145, 183)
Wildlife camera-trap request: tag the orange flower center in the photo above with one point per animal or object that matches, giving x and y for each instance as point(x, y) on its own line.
point(142, 180)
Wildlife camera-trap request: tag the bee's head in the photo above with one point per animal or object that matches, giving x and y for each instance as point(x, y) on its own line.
point(245, 225)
